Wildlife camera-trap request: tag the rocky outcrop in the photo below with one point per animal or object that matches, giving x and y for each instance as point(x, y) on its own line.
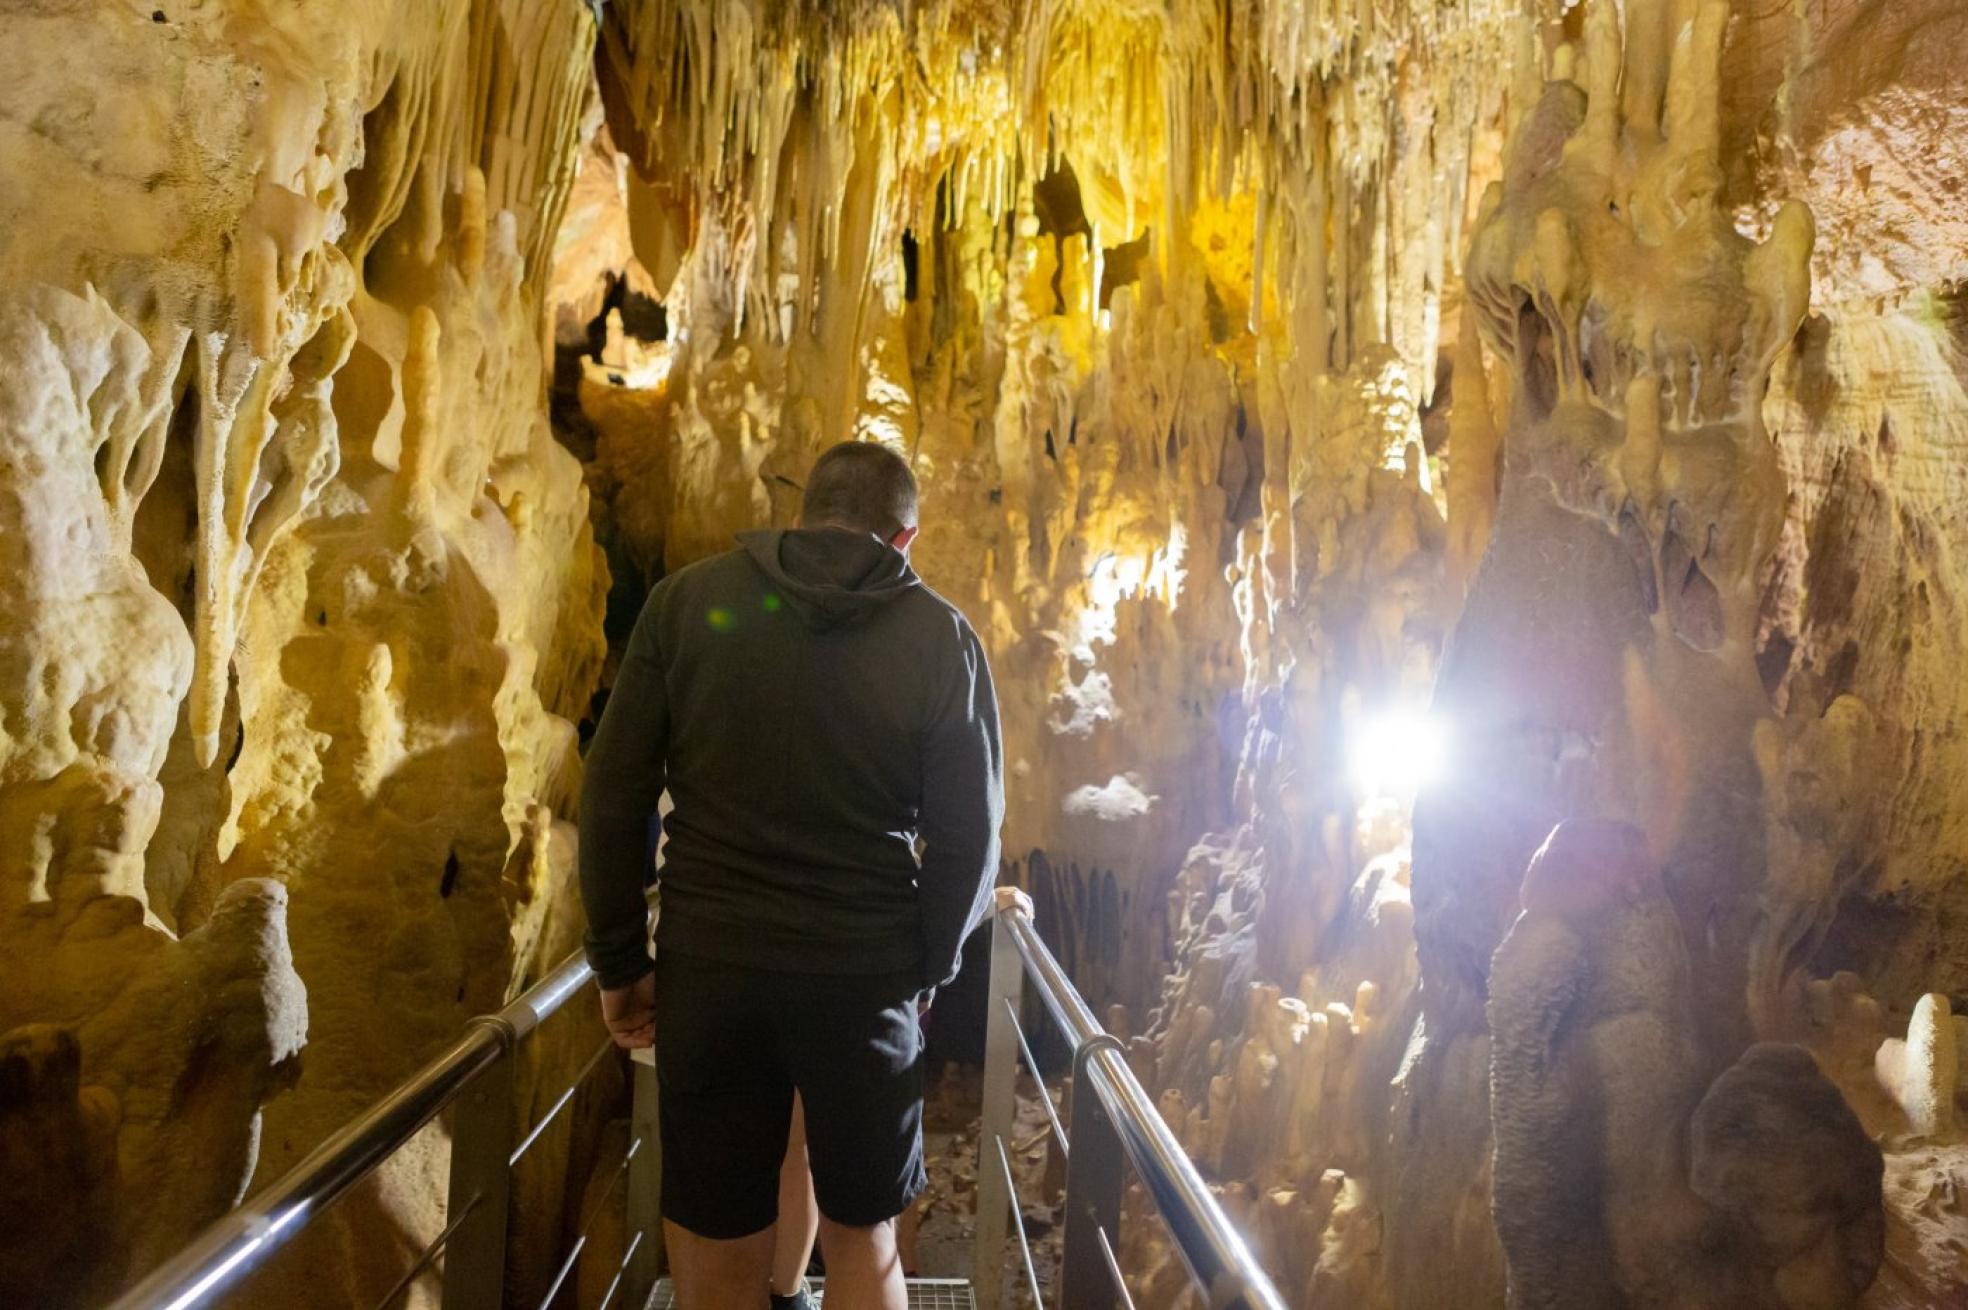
point(298, 585)
point(1606, 665)
point(1247, 426)
point(1620, 1180)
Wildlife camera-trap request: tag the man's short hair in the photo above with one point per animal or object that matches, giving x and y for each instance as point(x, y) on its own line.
point(861, 485)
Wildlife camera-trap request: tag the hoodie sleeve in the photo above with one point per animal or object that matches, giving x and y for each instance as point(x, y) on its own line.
point(962, 808)
point(622, 783)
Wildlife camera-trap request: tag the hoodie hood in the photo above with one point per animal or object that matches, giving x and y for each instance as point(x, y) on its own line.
point(832, 578)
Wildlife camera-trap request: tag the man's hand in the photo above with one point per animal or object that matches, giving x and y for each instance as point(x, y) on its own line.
point(1010, 898)
point(630, 1013)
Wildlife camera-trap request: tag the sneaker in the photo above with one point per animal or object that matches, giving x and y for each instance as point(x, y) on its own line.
point(800, 1300)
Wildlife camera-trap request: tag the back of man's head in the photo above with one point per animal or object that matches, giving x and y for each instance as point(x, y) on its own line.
point(862, 486)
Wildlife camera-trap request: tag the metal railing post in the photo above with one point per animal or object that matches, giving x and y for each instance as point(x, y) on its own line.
point(645, 1203)
point(481, 1181)
point(474, 1078)
point(994, 1199)
point(1093, 1191)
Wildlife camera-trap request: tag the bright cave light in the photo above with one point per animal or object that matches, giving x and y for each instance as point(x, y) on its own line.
point(1397, 752)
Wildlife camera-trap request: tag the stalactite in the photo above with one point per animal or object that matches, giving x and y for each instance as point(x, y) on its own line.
point(1156, 298)
point(354, 205)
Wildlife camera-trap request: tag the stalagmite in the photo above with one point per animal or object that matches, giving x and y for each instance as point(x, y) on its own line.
point(1462, 500)
point(203, 340)
point(1922, 1072)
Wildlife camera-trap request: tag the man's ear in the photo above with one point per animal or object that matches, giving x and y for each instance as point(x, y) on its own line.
point(902, 539)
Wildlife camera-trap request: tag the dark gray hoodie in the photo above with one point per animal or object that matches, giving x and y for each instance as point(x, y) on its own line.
point(813, 709)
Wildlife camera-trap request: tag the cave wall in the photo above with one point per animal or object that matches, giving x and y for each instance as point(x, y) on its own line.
point(1782, 870)
point(1069, 260)
point(361, 365)
point(300, 598)
point(1722, 627)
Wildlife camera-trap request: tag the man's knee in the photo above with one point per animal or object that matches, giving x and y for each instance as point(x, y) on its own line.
point(718, 1255)
point(858, 1236)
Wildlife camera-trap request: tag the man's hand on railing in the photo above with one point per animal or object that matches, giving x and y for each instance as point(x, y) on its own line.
point(630, 1013)
point(1013, 898)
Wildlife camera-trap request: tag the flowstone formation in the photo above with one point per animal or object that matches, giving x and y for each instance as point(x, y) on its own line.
point(1168, 308)
point(300, 602)
point(1145, 295)
point(1614, 504)
point(1604, 678)
point(341, 343)
point(1605, 659)
point(1161, 357)
point(1596, 1066)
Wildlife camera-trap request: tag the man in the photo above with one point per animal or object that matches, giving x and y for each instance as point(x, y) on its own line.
point(816, 713)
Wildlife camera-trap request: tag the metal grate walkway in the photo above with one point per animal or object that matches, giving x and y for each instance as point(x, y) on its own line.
point(924, 1294)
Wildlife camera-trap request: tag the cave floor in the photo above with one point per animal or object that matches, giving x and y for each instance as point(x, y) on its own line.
point(924, 1294)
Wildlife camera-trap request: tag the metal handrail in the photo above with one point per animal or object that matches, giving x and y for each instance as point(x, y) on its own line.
point(1113, 1120)
point(245, 1238)
point(1110, 1109)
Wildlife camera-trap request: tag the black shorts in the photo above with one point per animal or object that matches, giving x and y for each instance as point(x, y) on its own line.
point(733, 1043)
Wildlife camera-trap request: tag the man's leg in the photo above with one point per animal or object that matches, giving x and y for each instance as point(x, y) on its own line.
point(723, 1116)
point(856, 1056)
point(709, 1274)
point(799, 1216)
point(864, 1270)
point(908, 1226)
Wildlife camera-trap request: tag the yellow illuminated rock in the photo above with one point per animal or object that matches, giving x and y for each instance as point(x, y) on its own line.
point(1567, 397)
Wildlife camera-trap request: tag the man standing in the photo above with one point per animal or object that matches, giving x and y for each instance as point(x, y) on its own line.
point(815, 713)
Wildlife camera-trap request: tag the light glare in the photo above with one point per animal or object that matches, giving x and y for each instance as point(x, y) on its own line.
point(1397, 752)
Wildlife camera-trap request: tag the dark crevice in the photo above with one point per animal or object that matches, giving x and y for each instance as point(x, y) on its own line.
point(1773, 661)
point(1434, 413)
point(1120, 266)
point(1633, 535)
point(373, 199)
point(166, 522)
point(1057, 205)
point(1246, 496)
point(1694, 604)
point(1215, 314)
point(1536, 362)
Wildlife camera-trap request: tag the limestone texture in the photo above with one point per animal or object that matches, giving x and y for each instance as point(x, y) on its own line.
point(1465, 500)
point(299, 596)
